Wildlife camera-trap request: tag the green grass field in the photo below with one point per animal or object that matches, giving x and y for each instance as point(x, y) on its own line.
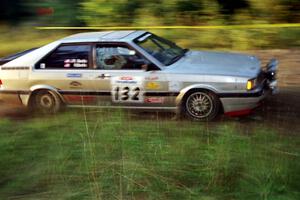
point(103, 154)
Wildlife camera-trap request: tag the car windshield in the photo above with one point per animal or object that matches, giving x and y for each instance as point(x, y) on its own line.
point(163, 50)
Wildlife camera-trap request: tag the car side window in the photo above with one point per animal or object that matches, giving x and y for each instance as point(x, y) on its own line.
point(118, 58)
point(67, 57)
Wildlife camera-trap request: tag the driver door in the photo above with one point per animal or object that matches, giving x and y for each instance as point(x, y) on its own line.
point(124, 72)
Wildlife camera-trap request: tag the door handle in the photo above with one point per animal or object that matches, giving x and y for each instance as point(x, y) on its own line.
point(103, 76)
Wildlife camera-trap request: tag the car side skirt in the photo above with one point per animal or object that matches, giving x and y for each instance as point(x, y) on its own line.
point(231, 101)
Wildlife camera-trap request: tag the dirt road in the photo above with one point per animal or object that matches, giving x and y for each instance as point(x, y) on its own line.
point(283, 110)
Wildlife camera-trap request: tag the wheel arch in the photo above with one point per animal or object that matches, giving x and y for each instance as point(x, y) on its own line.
point(37, 88)
point(198, 87)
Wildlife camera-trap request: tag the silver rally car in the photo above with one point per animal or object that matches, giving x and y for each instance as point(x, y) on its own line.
point(137, 70)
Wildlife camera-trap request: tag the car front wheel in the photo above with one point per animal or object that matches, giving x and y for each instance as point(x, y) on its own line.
point(201, 105)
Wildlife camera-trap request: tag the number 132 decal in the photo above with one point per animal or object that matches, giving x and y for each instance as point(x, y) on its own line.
point(127, 94)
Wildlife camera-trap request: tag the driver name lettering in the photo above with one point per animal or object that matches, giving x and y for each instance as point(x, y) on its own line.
point(77, 63)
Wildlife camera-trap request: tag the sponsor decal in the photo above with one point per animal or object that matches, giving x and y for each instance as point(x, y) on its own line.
point(74, 75)
point(78, 98)
point(75, 84)
point(152, 78)
point(153, 85)
point(126, 80)
point(174, 86)
point(42, 65)
point(154, 100)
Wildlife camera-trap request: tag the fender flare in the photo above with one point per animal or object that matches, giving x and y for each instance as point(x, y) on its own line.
point(33, 89)
point(185, 90)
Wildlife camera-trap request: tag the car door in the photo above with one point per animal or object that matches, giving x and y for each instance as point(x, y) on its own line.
point(127, 77)
point(68, 69)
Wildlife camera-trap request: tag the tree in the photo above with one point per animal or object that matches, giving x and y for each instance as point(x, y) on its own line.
point(13, 11)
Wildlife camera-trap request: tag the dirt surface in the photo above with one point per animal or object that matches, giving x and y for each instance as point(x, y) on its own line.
point(281, 111)
point(289, 65)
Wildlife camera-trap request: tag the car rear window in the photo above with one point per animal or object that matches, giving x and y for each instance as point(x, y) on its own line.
point(67, 57)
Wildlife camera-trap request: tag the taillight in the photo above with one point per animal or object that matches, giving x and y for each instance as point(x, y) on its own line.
point(0, 82)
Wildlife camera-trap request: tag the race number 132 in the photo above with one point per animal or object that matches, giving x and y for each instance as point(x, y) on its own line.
point(127, 94)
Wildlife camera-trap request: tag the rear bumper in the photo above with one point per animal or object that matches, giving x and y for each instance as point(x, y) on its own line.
point(10, 99)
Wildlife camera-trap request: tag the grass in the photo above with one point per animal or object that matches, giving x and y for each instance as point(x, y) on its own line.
point(103, 154)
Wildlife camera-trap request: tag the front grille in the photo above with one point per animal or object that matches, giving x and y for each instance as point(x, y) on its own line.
point(261, 78)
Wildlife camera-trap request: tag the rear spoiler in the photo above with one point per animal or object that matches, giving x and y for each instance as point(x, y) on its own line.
point(15, 56)
point(3, 61)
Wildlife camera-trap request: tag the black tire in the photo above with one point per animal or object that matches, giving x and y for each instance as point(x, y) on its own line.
point(46, 102)
point(201, 105)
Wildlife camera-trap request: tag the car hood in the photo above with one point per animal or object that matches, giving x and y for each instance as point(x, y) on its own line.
point(217, 63)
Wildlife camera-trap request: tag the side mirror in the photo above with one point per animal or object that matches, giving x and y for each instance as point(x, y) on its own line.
point(143, 63)
point(147, 65)
point(152, 67)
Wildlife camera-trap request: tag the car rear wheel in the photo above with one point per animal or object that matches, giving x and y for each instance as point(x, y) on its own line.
point(46, 102)
point(201, 105)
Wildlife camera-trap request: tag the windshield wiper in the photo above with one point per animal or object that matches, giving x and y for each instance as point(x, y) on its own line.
point(178, 57)
point(175, 59)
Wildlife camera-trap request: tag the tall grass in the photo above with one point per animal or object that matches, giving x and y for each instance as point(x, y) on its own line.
point(103, 154)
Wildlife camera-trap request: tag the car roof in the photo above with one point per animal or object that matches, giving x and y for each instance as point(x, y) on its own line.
point(106, 36)
point(102, 36)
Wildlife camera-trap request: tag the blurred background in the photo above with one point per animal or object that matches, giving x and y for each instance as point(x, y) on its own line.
point(19, 19)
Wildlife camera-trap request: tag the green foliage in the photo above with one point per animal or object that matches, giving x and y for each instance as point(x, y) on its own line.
point(13, 11)
point(168, 12)
point(182, 12)
point(85, 155)
point(14, 39)
point(125, 12)
point(65, 12)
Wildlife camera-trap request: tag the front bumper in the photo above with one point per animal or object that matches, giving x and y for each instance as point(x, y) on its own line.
point(270, 76)
point(244, 103)
point(237, 104)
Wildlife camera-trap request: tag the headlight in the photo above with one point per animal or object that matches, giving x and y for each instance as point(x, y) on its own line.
point(251, 84)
